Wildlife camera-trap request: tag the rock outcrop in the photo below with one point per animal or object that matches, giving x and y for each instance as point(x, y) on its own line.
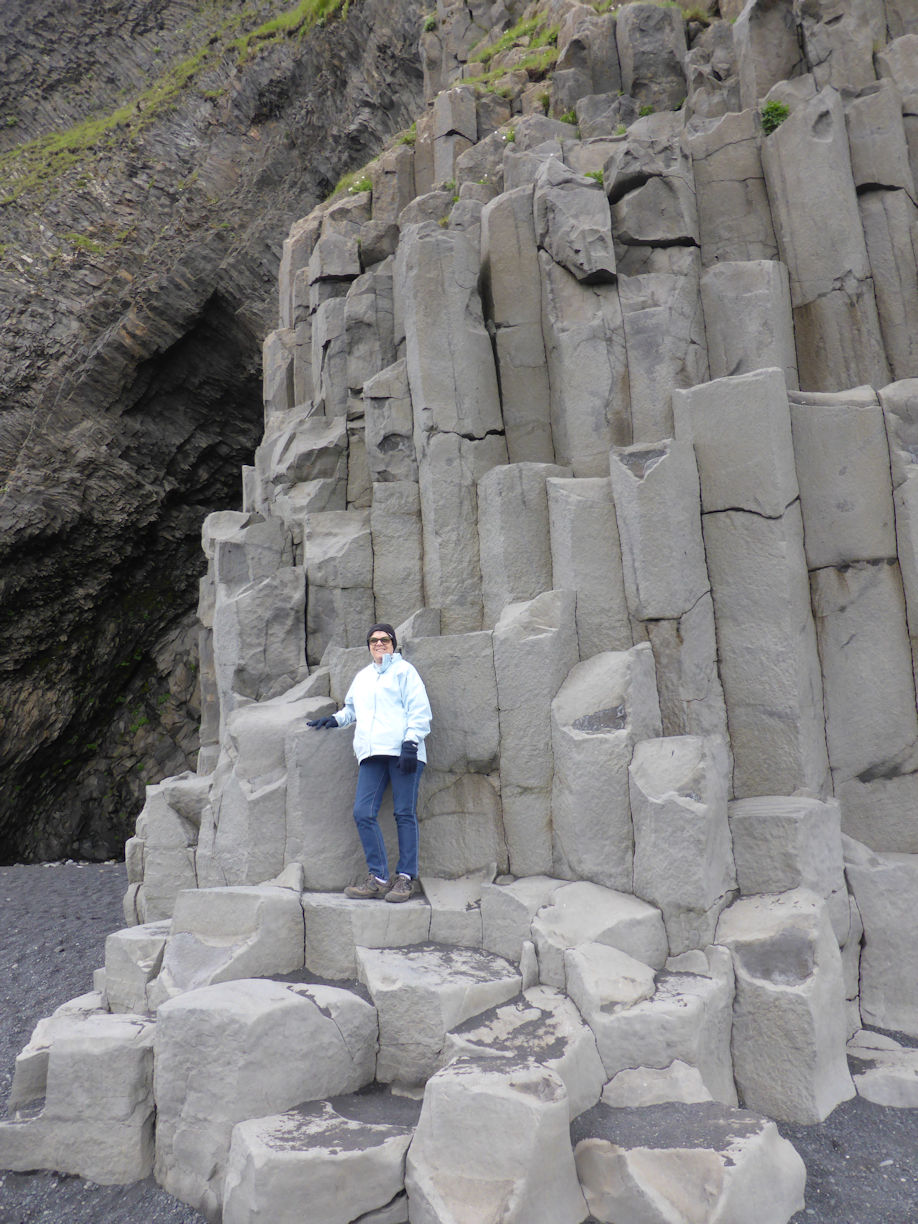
point(664, 620)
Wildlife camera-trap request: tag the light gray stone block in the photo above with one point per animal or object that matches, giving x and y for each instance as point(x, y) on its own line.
point(890, 221)
point(656, 494)
point(298, 247)
point(651, 48)
point(740, 428)
point(369, 326)
point(587, 367)
point(236, 1050)
point(683, 861)
point(458, 673)
point(455, 907)
point(329, 353)
point(688, 683)
point(778, 992)
point(395, 526)
point(876, 138)
point(392, 175)
point(535, 646)
point(337, 925)
point(389, 425)
point(734, 218)
point(277, 375)
point(766, 643)
point(586, 557)
point(900, 411)
point(507, 911)
point(496, 1137)
point(167, 829)
point(606, 705)
point(748, 320)
point(572, 222)
point(515, 552)
point(649, 1086)
point(767, 48)
point(840, 41)
point(339, 574)
point(461, 826)
point(132, 959)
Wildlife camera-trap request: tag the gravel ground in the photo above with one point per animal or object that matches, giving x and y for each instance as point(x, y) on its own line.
point(862, 1162)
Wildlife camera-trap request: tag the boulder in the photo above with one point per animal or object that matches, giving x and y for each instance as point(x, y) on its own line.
point(586, 558)
point(788, 980)
point(604, 707)
point(492, 1140)
point(572, 222)
point(222, 934)
point(132, 960)
point(543, 1027)
point(231, 1051)
point(507, 911)
point(686, 1162)
point(683, 861)
point(422, 992)
point(655, 488)
point(884, 1071)
point(336, 925)
point(586, 913)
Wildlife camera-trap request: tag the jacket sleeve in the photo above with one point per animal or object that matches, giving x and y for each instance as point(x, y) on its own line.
point(346, 715)
point(417, 706)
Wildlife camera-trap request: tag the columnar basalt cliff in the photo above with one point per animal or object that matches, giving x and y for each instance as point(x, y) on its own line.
point(168, 147)
point(600, 384)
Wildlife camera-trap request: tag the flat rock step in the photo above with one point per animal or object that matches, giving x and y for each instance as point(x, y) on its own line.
point(686, 1164)
point(884, 1071)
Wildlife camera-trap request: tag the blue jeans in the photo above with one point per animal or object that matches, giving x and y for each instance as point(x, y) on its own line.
point(374, 775)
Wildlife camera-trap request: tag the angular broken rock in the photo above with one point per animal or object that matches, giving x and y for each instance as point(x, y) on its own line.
point(492, 1143)
point(884, 1071)
point(684, 1163)
point(573, 223)
point(421, 993)
point(541, 1026)
point(339, 1159)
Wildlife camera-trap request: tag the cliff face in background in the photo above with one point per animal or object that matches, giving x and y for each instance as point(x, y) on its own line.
point(138, 265)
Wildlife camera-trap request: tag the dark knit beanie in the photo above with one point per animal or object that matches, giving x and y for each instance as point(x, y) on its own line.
point(382, 629)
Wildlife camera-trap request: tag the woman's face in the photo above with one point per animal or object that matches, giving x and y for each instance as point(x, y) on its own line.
point(380, 644)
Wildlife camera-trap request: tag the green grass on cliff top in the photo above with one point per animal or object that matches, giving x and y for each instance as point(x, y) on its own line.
point(37, 163)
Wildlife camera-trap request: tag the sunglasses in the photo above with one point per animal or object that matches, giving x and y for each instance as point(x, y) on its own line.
point(380, 641)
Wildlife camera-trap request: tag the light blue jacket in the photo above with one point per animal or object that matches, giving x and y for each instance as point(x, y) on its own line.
point(389, 702)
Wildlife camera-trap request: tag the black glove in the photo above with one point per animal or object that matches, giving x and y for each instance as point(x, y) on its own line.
point(325, 723)
point(408, 760)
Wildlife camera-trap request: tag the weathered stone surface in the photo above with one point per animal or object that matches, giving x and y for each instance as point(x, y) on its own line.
point(642, 1086)
point(655, 488)
point(343, 1166)
point(493, 1140)
point(587, 368)
point(876, 138)
point(513, 300)
point(461, 825)
point(840, 40)
point(884, 1071)
point(900, 411)
point(586, 558)
point(455, 907)
point(866, 663)
point(392, 175)
point(885, 887)
point(583, 913)
point(223, 934)
point(665, 343)
point(395, 528)
point(842, 459)
point(586, 40)
point(747, 318)
point(734, 218)
point(132, 959)
point(541, 1026)
point(336, 926)
point(601, 979)
point(535, 647)
point(689, 1017)
point(651, 47)
point(686, 1162)
point(277, 376)
point(890, 219)
point(94, 1072)
point(788, 980)
point(390, 425)
point(259, 638)
point(167, 833)
point(767, 48)
point(232, 1051)
point(710, 70)
point(450, 468)
point(839, 342)
point(421, 993)
point(572, 223)
point(369, 326)
point(298, 247)
point(515, 553)
point(605, 706)
point(682, 854)
point(740, 428)
point(309, 449)
point(896, 62)
point(458, 673)
point(339, 574)
point(808, 172)
point(454, 385)
point(688, 683)
point(507, 911)
point(767, 652)
point(785, 842)
point(329, 351)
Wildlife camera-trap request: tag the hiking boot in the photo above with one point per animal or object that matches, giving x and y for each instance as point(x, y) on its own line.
point(403, 889)
point(372, 889)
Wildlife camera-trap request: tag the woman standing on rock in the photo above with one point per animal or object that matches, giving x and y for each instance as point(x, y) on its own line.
point(388, 701)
